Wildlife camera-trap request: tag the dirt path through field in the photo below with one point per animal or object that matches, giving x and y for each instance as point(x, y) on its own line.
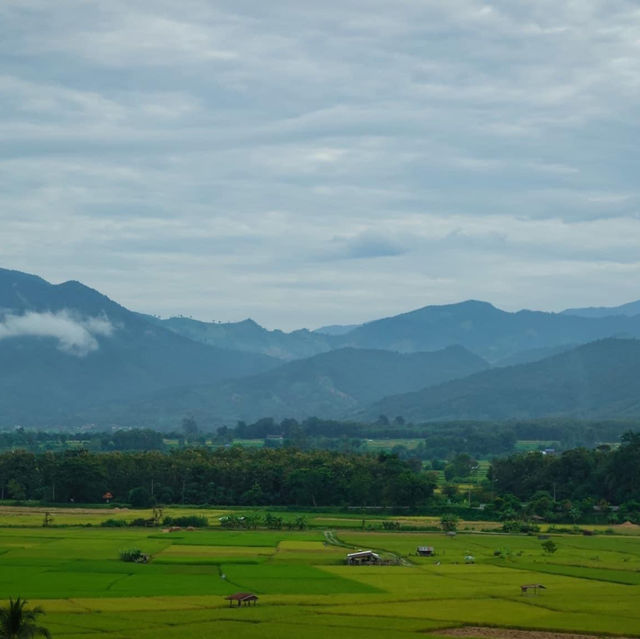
point(331, 538)
point(481, 632)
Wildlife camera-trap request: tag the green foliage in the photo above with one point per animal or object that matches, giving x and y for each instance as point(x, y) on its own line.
point(133, 555)
point(190, 427)
point(519, 526)
point(19, 622)
point(225, 475)
point(577, 478)
point(196, 521)
point(460, 466)
point(113, 523)
point(549, 546)
point(15, 490)
point(449, 522)
point(273, 522)
point(139, 497)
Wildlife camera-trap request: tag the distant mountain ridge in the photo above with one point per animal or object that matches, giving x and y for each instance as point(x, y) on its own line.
point(484, 329)
point(248, 336)
point(630, 309)
point(70, 355)
point(67, 348)
point(480, 327)
point(592, 381)
point(336, 329)
point(330, 385)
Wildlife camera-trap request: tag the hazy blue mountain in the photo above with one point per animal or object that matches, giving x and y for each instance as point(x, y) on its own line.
point(66, 347)
point(336, 329)
point(250, 337)
point(596, 380)
point(534, 355)
point(329, 385)
point(630, 309)
point(482, 328)
point(493, 334)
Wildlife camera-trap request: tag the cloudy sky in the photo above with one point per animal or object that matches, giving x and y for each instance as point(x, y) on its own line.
point(305, 163)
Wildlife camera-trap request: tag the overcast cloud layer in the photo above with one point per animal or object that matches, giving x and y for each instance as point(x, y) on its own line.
point(307, 163)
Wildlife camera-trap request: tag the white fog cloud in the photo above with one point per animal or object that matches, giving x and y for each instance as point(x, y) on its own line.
point(75, 335)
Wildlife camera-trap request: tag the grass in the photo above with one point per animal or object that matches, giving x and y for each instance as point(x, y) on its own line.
point(306, 589)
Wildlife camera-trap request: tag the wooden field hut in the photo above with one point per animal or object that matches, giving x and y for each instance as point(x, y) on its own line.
point(363, 558)
point(243, 599)
point(535, 587)
point(425, 551)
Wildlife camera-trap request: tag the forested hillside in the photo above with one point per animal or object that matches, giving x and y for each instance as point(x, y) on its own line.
point(330, 385)
point(597, 380)
point(67, 351)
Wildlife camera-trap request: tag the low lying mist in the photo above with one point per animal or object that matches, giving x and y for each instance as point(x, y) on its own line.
point(75, 335)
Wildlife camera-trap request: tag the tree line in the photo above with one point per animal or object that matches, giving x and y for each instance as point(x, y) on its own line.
point(439, 440)
point(601, 477)
point(226, 475)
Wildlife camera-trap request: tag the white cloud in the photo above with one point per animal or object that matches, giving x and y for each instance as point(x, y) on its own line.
point(74, 335)
point(202, 158)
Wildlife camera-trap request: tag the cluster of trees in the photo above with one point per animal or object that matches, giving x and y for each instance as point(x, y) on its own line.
point(440, 440)
point(228, 475)
point(573, 482)
point(121, 439)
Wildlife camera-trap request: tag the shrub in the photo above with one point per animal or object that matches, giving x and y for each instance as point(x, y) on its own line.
point(141, 521)
point(113, 523)
point(449, 522)
point(272, 521)
point(197, 521)
point(134, 555)
point(514, 526)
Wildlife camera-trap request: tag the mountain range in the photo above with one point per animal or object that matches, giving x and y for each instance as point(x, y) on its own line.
point(66, 350)
point(330, 385)
point(592, 381)
point(69, 355)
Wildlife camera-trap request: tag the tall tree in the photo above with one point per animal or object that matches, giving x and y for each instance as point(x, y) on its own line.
point(18, 622)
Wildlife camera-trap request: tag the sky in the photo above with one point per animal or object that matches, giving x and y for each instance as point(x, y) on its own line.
point(309, 163)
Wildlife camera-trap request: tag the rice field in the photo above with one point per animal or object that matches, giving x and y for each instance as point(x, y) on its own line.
point(592, 583)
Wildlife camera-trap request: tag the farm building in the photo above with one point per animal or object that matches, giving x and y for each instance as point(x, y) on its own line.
point(243, 598)
point(363, 557)
point(425, 551)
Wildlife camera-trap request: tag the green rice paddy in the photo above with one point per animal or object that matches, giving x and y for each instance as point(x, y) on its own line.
point(305, 589)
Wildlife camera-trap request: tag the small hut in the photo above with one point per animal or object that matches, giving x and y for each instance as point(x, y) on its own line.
point(363, 558)
point(243, 598)
point(524, 589)
point(425, 551)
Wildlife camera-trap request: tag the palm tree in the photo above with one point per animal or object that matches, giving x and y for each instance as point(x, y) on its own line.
point(18, 623)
